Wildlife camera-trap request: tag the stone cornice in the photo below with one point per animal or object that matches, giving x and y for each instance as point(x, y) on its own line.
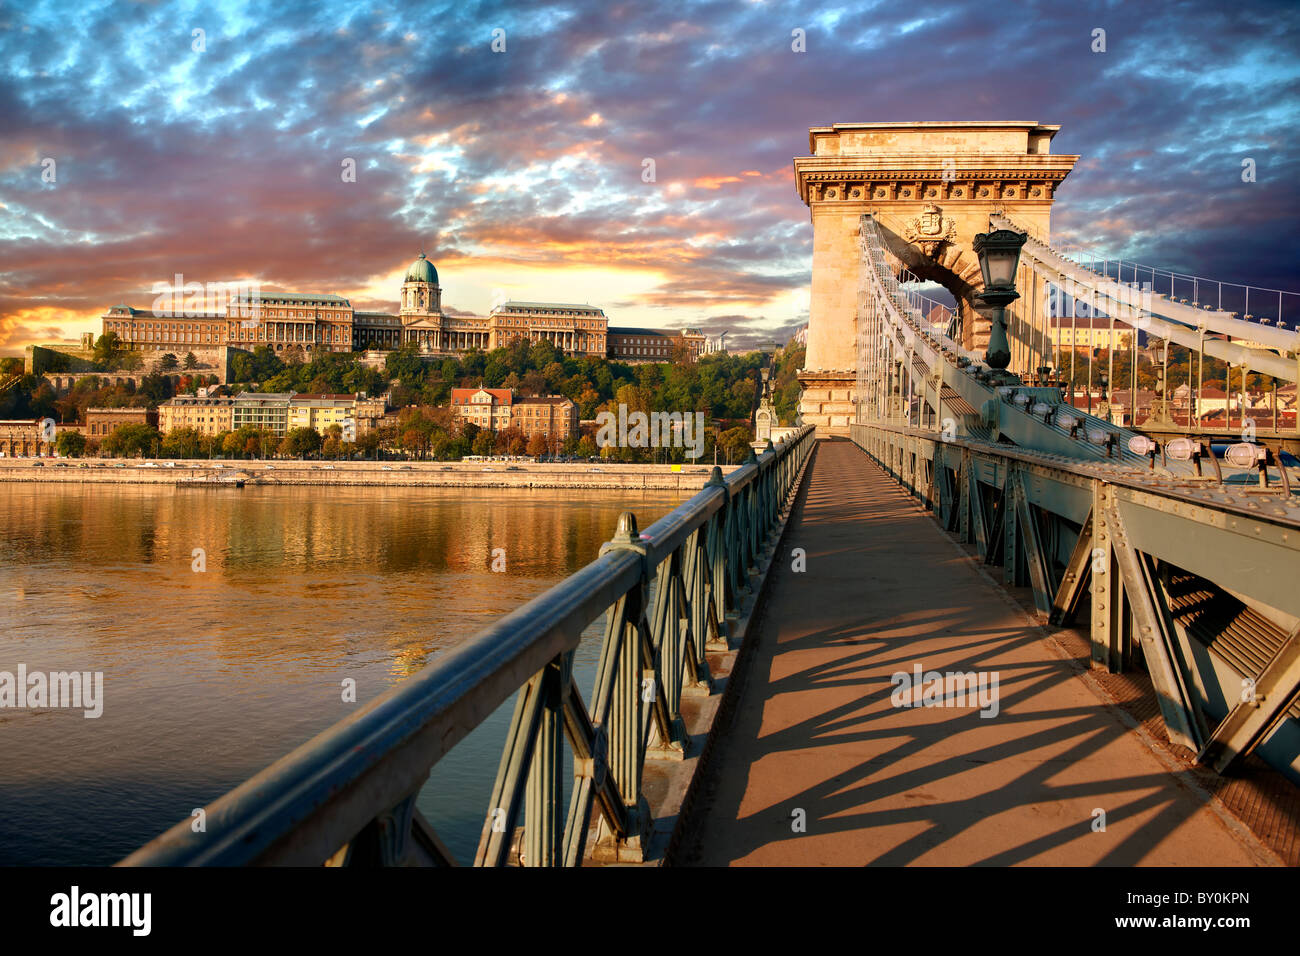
point(960, 178)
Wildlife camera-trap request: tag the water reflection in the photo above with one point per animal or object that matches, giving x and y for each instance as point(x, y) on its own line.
point(210, 675)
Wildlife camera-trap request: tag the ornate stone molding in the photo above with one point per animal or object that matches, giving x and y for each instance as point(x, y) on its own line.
point(930, 229)
point(913, 186)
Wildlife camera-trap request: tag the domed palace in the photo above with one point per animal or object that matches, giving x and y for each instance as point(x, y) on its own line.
point(313, 322)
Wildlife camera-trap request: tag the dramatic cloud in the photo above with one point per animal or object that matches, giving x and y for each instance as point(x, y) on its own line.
point(526, 170)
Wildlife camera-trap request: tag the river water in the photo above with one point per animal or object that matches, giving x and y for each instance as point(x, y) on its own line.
point(225, 622)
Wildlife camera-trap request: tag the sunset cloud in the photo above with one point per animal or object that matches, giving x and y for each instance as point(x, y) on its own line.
point(524, 169)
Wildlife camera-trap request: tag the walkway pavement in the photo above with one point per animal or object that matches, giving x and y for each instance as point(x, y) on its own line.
point(814, 729)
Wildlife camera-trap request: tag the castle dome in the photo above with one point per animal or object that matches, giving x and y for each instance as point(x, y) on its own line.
point(422, 270)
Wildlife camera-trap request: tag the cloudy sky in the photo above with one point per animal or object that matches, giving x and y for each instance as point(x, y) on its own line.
point(520, 172)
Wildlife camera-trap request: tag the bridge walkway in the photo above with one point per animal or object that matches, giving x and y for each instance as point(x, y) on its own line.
point(813, 728)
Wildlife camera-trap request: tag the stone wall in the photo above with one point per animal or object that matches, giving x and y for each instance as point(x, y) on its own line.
point(689, 480)
point(65, 365)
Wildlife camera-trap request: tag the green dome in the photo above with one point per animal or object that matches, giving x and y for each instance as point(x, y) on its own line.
point(422, 270)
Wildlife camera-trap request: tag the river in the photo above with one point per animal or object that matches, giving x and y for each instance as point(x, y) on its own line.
point(225, 622)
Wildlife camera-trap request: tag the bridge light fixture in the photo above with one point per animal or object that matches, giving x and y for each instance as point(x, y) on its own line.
point(1244, 454)
point(1021, 399)
point(1180, 449)
point(1067, 421)
point(1041, 408)
point(1141, 445)
point(999, 255)
point(1097, 436)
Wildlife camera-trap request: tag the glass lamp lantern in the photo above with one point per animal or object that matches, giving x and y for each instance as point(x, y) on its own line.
point(999, 255)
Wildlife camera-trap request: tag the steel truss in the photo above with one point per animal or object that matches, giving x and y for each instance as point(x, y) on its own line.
point(1194, 584)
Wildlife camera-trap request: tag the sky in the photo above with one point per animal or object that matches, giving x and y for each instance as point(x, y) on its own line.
point(521, 172)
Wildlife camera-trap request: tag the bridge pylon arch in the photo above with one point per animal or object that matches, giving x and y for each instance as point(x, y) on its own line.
point(931, 187)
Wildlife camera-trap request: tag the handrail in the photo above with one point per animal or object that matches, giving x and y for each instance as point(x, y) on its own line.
point(348, 794)
point(1171, 320)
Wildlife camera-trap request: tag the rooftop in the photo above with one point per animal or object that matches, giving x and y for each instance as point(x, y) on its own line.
point(515, 306)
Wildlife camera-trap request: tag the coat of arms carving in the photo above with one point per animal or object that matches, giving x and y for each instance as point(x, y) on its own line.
point(930, 229)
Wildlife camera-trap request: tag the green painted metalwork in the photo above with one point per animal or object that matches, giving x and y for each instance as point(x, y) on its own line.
point(1118, 533)
point(667, 596)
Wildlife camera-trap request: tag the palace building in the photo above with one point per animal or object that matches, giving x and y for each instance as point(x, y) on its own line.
point(316, 322)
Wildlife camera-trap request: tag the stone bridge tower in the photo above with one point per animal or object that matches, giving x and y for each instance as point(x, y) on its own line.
point(931, 186)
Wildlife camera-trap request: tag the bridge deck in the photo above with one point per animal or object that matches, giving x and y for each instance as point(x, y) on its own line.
point(814, 728)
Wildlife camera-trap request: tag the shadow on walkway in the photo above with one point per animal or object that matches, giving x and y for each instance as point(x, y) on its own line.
point(818, 765)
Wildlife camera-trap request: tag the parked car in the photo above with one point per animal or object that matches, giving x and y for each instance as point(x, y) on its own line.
point(328, 467)
point(387, 468)
point(169, 464)
point(38, 464)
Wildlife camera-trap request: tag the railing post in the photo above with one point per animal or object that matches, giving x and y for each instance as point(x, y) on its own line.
point(543, 835)
point(630, 707)
point(716, 555)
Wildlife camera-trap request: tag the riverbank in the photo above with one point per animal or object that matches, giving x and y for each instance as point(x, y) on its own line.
point(431, 474)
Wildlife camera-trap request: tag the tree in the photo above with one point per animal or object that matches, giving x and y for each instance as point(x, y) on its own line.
point(132, 361)
point(734, 443)
point(485, 443)
point(191, 361)
point(168, 362)
point(232, 445)
point(537, 445)
point(128, 441)
point(368, 442)
point(415, 439)
point(301, 442)
point(106, 351)
point(182, 443)
point(70, 444)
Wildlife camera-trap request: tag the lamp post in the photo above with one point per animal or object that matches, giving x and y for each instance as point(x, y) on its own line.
point(1103, 407)
point(999, 255)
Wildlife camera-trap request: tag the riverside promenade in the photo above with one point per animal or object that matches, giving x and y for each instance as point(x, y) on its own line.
point(815, 765)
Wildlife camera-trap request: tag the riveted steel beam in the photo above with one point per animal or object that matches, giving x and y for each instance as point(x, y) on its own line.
point(1012, 553)
point(1262, 706)
point(1238, 552)
point(1035, 559)
point(1176, 704)
point(1107, 634)
point(1069, 594)
point(978, 522)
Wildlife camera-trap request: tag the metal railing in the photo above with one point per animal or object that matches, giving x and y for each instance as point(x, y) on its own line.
point(1189, 577)
point(347, 796)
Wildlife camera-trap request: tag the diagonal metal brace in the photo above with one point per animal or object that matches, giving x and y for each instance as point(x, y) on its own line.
point(1262, 707)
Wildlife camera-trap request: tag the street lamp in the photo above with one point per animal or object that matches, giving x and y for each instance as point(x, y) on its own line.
point(999, 254)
